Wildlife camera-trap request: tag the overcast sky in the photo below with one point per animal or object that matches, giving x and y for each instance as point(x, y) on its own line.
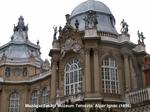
point(42, 15)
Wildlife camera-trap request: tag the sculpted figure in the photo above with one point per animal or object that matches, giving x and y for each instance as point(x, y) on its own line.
point(55, 32)
point(124, 28)
point(90, 20)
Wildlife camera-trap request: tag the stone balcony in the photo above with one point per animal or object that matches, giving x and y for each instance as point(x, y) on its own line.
point(74, 98)
point(139, 97)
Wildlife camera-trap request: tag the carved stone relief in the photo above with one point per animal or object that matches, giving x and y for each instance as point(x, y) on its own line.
point(70, 44)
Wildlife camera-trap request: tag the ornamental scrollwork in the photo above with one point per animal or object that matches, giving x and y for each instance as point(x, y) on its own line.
point(70, 44)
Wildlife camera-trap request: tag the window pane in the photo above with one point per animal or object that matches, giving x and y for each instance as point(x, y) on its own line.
point(72, 77)
point(109, 75)
point(45, 96)
point(14, 102)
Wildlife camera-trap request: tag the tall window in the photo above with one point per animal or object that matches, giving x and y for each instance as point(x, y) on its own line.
point(14, 102)
point(72, 77)
point(34, 99)
point(110, 81)
point(45, 96)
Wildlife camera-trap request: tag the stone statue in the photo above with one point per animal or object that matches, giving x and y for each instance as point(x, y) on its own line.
point(38, 42)
point(124, 28)
point(90, 20)
point(141, 38)
point(60, 29)
point(55, 32)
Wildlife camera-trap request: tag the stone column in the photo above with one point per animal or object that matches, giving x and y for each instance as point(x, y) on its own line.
point(96, 72)
point(127, 73)
point(87, 71)
point(53, 81)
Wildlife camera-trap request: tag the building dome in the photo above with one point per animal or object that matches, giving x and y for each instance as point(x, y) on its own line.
point(20, 49)
point(106, 20)
point(90, 5)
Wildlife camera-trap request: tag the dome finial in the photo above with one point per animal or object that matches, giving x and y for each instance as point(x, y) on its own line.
point(20, 26)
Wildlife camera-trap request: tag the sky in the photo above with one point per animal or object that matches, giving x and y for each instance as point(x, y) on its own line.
point(42, 15)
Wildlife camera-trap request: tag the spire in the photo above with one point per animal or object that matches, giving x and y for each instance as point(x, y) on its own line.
point(20, 26)
point(20, 31)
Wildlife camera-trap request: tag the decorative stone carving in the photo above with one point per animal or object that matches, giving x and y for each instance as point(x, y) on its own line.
point(141, 38)
point(21, 26)
point(67, 32)
point(124, 28)
point(60, 30)
point(70, 44)
point(55, 32)
point(90, 20)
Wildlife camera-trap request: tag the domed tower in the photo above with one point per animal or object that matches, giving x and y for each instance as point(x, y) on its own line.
point(91, 62)
point(20, 57)
point(22, 72)
point(93, 13)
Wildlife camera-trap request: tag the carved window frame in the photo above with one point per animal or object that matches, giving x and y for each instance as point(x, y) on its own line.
point(110, 78)
point(14, 102)
point(72, 77)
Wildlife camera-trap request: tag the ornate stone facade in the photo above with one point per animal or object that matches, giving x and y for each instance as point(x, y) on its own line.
point(91, 63)
point(111, 64)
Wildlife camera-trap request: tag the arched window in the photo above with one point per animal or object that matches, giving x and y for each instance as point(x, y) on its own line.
point(45, 97)
point(14, 102)
point(110, 81)
point(34, 100)
point(72, 77)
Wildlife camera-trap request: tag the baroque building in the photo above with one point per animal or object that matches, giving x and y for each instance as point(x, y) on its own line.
point(91, 63)
point(24, 76)
point(94, 64)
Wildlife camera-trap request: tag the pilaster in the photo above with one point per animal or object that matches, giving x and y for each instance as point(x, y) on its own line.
point(96, 72)
point(127, 73)
point(87, 71)
point(53, 81)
